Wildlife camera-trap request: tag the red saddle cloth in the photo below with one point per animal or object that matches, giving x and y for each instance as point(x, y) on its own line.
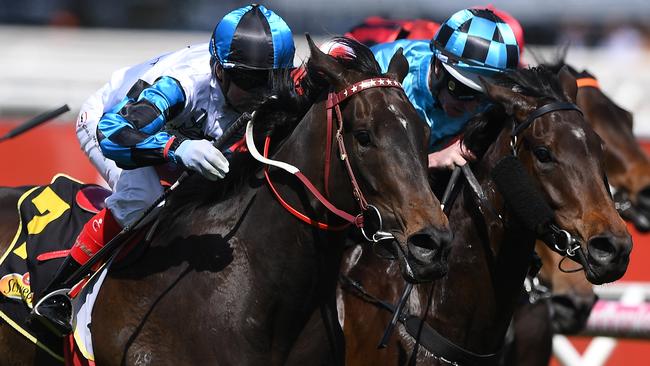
point(72, 354)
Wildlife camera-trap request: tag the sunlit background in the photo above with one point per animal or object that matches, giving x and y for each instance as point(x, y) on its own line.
point(54, 52)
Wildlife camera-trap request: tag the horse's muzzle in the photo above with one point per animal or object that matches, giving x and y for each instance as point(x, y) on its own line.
point(427, 253)
point(608, 257)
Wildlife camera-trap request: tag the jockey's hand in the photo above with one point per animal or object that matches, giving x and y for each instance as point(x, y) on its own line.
point(201, 156)
point(453, 155)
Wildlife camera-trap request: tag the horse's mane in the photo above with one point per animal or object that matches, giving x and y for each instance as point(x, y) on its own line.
point(278, 115)
point(538, 82)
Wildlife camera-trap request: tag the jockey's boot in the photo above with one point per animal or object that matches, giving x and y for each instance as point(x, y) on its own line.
point(56, 306)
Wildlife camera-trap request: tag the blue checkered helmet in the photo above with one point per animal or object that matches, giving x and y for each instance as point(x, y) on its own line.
point(475, 42)
point(253, 38)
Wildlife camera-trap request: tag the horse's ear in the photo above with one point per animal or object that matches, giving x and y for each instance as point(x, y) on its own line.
point(398, 67)
point(568, 83)
point(515, 104)
point(325, 64)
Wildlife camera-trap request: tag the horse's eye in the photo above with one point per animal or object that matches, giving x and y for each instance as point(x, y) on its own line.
point(363, 137)
point(543, 154)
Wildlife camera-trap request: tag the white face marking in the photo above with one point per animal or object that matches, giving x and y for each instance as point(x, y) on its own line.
point(401, 119)
point(579, 133)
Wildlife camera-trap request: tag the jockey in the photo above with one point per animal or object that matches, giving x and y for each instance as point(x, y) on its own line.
point(133, 123)
point(443, 80)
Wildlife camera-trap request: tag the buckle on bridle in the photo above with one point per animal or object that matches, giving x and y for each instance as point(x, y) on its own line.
point(570, 244)
point(513, 145)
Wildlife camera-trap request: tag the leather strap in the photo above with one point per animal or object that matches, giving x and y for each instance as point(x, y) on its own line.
point(547, 108)
point(332, 107)
point(441, 347)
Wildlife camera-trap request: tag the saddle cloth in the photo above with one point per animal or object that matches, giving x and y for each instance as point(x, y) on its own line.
point(51, 217)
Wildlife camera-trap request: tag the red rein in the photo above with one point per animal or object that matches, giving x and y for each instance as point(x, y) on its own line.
point(332, 106)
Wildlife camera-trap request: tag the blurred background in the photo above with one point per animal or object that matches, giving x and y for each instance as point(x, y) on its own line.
point(54, 52)
point(59, 51)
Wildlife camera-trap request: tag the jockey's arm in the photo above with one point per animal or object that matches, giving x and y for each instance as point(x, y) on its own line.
point(131, 132)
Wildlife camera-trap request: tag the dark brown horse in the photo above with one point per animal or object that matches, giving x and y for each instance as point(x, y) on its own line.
point(473, 305)
point(231, 277)
point(571, 298)
point(628, 167)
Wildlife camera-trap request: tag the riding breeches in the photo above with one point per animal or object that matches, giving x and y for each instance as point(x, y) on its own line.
point(134, 192)
point(89, 116)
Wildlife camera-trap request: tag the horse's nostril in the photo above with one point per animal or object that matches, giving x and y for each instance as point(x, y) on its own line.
point(430, 238)
point(422, 240)
point(602, 248)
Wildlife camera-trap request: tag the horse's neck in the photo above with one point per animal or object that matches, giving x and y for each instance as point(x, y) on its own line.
point(474, 303)
point(320, 250)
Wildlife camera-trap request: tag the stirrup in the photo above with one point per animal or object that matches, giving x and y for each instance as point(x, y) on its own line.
point(61, 327)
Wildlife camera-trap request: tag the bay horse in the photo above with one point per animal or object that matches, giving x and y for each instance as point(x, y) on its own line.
point(231, 277)
point(627, 165)
point(472, 306)
point(571, 297)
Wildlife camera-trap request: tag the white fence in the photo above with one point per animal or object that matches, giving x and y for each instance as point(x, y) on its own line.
point(622, 312)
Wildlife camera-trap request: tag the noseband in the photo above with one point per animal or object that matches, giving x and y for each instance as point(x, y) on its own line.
point(560, 240)
point(332, 108)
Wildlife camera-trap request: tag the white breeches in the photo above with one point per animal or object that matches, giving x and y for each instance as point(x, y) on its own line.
point(135, 191)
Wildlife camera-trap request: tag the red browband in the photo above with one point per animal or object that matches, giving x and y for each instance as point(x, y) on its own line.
point(332, 104)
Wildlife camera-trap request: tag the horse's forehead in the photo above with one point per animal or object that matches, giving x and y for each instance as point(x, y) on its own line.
point(379, 104)
point(400, 117)
point(572, 131)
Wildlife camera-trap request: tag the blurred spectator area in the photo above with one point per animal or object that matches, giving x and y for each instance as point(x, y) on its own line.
point(60, 51)
point(584, 21)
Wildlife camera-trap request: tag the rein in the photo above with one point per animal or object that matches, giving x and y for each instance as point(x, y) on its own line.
point(562, 241)
point(332, 107)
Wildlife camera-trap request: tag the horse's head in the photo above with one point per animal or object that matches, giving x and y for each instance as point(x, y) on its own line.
point(565, 157)
point(628, 167)
point(386, 143)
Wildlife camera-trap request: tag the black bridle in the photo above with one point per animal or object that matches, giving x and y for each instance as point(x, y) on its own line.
point(558, 239)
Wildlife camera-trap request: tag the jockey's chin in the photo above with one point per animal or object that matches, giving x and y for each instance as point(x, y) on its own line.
point(453, 107)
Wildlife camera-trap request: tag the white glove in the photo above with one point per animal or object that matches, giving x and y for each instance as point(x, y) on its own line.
point(201, 156)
